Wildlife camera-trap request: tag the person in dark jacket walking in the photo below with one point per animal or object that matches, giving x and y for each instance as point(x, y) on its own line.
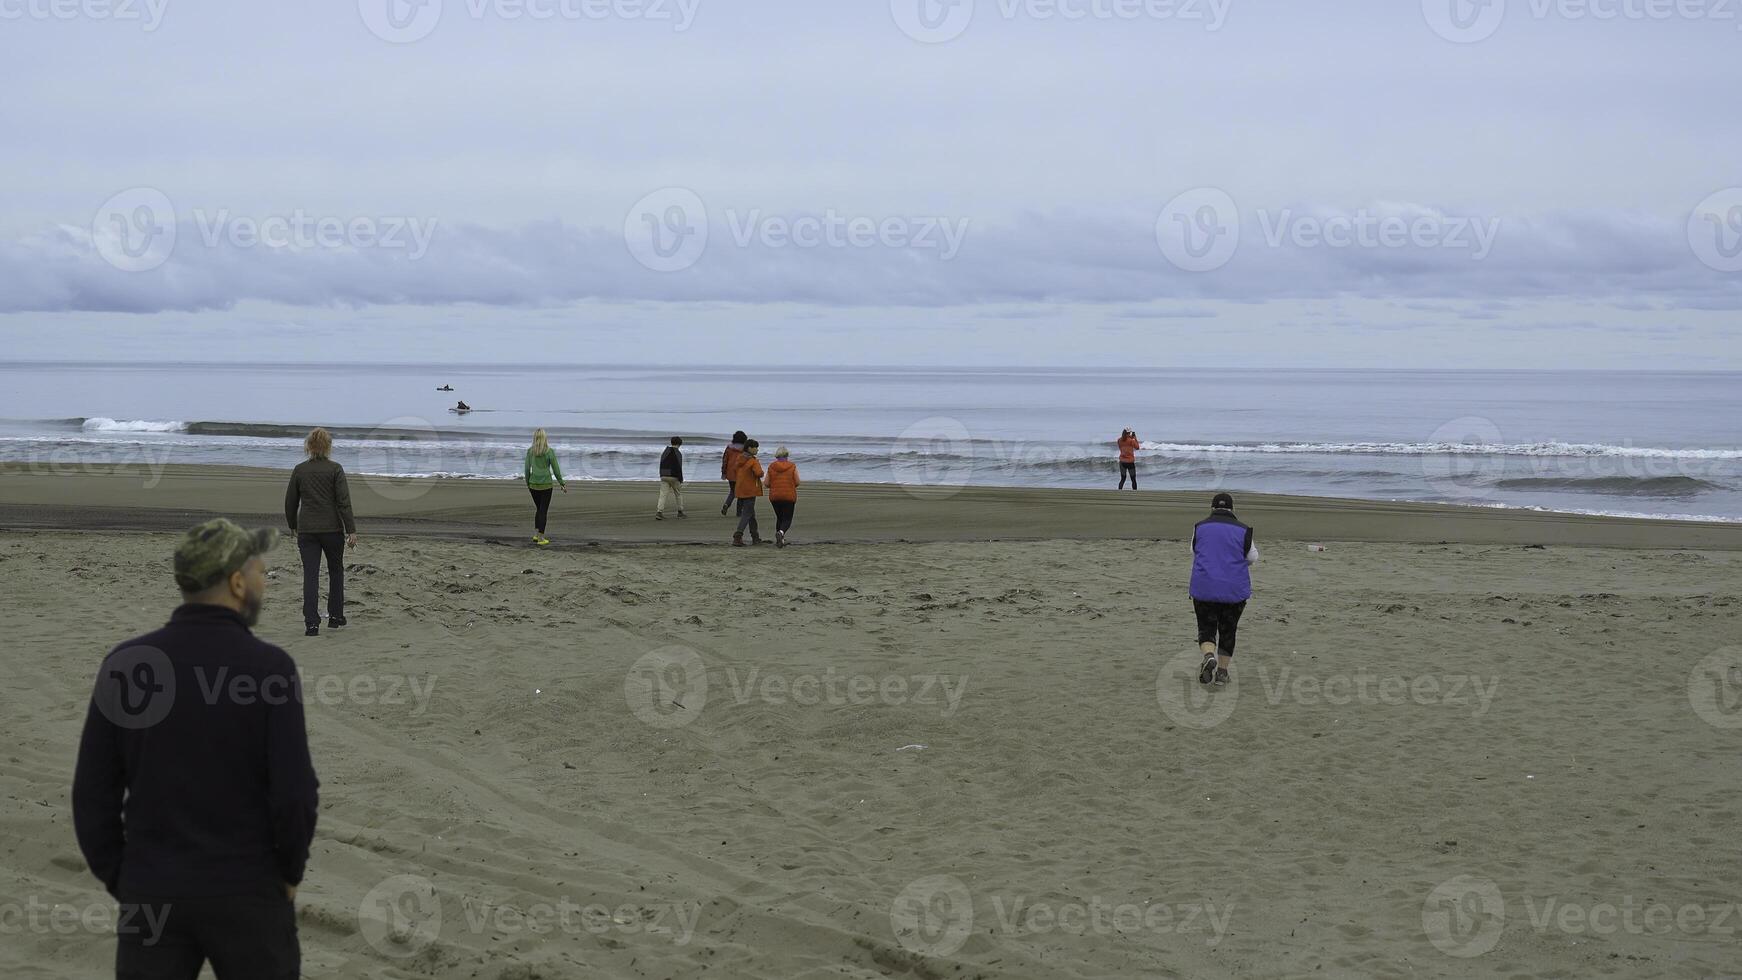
point(317, 506)
point(729, 469)
point(1222, 557)
point(670, 478)
point(194, 797)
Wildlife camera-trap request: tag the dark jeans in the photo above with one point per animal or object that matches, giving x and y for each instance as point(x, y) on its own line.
point(312, 547)
point(783, 513)
point(731, 495)
point(747, 516)
point(250, 937)
point(1125, 470)
point(541, 501)
point(1218, 622)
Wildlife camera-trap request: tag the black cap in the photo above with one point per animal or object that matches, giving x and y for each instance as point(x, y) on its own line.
point(1222, 501)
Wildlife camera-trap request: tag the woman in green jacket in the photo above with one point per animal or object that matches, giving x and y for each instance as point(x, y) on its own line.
point(542, 472)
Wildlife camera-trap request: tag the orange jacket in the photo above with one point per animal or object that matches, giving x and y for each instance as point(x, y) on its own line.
point(749, 481)
point(783, 480)
point(1127, 449)
point(729, 462)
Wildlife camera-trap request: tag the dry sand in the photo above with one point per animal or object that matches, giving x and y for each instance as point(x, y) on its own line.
point(1471, 758)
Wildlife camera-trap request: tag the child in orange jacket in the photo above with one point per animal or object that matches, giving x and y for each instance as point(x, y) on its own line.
point(746, 487)
point(782, 493)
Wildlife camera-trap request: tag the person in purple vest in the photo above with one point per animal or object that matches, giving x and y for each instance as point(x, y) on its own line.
point(1222, 557)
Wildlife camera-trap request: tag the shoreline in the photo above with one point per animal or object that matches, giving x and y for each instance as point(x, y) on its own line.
point(109, 497)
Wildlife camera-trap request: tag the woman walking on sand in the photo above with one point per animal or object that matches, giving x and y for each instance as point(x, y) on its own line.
point(729, 469)
point(1221, 585)
point(782, 493)
point(746, 489)
point(317, 507)
point(542, 472)
point(1128, 458)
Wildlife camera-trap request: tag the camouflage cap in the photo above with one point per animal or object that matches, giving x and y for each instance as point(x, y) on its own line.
point(209, 553)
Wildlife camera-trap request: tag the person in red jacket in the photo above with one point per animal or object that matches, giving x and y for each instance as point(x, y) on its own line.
point(782, 493)
point(729, 469)
point(747, 488)
point(1128, 458)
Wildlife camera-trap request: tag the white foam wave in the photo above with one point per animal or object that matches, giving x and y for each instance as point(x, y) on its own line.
point(1442, 449)
point(100, 424)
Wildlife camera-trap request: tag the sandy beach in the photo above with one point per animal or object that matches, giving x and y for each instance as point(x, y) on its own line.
point(951, 734)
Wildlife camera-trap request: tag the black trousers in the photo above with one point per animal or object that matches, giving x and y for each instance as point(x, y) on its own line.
point(1218, 622)
point(1127, 470)
point(747, 516)
point(313, 547)
point(541, 503)
point(249, 937)
point(783, 513)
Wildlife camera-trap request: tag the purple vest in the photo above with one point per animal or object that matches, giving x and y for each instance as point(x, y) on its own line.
point(1220, 572)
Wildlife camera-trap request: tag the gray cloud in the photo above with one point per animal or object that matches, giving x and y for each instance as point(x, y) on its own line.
point(1061, 257)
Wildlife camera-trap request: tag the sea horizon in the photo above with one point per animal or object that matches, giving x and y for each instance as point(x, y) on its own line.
point(1566, 441)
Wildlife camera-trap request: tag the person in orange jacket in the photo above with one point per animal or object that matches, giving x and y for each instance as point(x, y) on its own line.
point(729, 469)
point(1128, 458)
point(747, 487)
point(782, 493)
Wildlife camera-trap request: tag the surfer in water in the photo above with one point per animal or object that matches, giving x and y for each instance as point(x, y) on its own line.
point(462, 407)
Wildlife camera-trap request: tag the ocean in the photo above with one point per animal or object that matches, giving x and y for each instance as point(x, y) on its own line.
point(1633, 443)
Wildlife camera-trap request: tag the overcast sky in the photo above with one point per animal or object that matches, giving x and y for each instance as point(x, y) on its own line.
point(1361, 182)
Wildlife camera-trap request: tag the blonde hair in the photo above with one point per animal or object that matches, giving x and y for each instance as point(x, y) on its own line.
point(781, 453)
point(540, 444)
point(319, 444)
